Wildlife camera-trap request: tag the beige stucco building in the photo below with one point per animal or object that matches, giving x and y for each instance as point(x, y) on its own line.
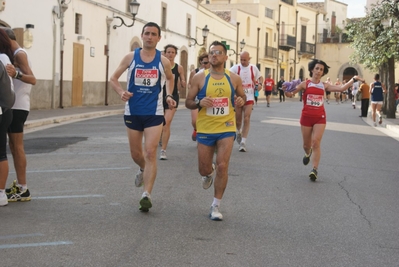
point(280, 35)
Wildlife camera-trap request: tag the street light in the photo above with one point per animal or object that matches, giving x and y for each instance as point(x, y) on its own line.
point(205, 32)
point(242, 45)
point(299, 59)
point(134, 9)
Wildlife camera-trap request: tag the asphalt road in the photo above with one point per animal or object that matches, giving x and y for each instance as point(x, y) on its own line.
point(84, 210)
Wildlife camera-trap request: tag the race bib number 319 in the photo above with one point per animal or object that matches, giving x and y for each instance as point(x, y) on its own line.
point(220, 107)
point(146, 77)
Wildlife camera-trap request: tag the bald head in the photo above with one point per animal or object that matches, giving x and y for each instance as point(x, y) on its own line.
point(244, 58)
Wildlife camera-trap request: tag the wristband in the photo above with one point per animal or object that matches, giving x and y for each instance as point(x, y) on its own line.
point(166, 97)
point(354, 80)
point(16, 74)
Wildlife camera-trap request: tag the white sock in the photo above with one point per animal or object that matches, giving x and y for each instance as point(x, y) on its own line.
point(243, 140)
point(23, 187)
point(2, 192)
point(216, 202)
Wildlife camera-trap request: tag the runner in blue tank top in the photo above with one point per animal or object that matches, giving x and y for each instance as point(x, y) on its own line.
point(377, 90)
point(148, 71)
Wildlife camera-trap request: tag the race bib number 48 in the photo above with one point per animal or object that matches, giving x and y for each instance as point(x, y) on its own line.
point(220, 107)
point(146, 77)
point(315, 100)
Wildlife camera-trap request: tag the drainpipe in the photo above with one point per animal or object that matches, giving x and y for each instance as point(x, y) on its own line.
point(316, 34)
point(237, 38)
point(63, 8)
point(54, 60)
point(278, 42)
point(296, 38)
point(257, 49)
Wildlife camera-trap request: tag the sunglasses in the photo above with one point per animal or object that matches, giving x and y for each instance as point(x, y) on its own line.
point(216, 52)
point(204, 63)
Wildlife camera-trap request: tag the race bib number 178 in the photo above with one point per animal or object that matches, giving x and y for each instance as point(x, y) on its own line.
point(220, 107)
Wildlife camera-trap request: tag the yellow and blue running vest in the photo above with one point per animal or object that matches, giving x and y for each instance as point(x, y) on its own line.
point(221, 117)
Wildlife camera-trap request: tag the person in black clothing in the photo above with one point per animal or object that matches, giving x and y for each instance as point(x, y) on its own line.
point(280, 89)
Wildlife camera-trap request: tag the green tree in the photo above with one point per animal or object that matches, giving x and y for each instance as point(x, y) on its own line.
point(374, 39)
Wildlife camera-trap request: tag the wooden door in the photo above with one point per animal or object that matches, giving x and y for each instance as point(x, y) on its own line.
point(77, 74)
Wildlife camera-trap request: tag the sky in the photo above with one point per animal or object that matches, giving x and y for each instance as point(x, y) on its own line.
point(355, 7)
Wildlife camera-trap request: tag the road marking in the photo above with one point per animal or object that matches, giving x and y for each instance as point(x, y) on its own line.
point(20, 236)
point(70, 196)
point(36, 244)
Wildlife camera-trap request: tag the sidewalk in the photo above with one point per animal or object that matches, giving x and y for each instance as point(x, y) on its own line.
point(39, 118)
point(44, 117)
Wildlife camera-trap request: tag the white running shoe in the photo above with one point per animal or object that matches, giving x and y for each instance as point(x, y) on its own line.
point(139, 178)
point(242, 147)
point(208, 180)
point(162, 155)
point(215, 214)
point(3, 199)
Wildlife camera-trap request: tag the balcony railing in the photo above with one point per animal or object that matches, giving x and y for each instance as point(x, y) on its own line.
point(306, 48)
point(332, 38)
point(287, 42)
point(270, 52)
point(290, 2)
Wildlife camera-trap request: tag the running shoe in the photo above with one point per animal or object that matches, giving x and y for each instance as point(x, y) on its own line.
point(268, 105)
point(242, 147)
point(145, 202)
point(208, 180)
point(375, 124)
point(18, 195)
point(380, 120)
point(3, 199)
point(215, 214)
point(163, 156)
point(306, 158)
point(139, 178)
point(194, 135)
point(12, 187)
point(313, 175)
point(239, 138)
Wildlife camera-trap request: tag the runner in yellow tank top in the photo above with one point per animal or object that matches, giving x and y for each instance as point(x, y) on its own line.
point(220, 118)
point(215, 90)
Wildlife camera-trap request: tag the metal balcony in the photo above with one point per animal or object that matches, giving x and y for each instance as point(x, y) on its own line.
point(307, 48)
point(287, 42)
point(270, 52)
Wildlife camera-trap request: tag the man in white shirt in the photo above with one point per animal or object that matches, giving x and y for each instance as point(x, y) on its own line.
point(251, 81)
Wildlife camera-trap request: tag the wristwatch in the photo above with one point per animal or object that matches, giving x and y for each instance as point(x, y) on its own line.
point(19, 75)
point(197, 102)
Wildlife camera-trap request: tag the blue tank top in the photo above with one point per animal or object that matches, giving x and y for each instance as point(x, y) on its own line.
point(377, 94)
point(145, 81)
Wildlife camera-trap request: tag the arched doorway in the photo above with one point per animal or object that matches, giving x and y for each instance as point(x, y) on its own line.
point(349, 73)
point(301, 74)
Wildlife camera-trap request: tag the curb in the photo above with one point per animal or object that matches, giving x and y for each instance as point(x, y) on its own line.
point(53, 120)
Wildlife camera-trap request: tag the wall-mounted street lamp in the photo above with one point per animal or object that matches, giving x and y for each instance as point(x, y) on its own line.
point(242, 45)
point(299, 59)
point(205, 32)
point(134, 9)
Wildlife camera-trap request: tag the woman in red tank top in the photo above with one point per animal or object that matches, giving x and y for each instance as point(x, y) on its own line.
point(313, 117)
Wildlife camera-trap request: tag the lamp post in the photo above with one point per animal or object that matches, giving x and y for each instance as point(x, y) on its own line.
point(205, 32)
point(242, 45)
point(134, 9)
